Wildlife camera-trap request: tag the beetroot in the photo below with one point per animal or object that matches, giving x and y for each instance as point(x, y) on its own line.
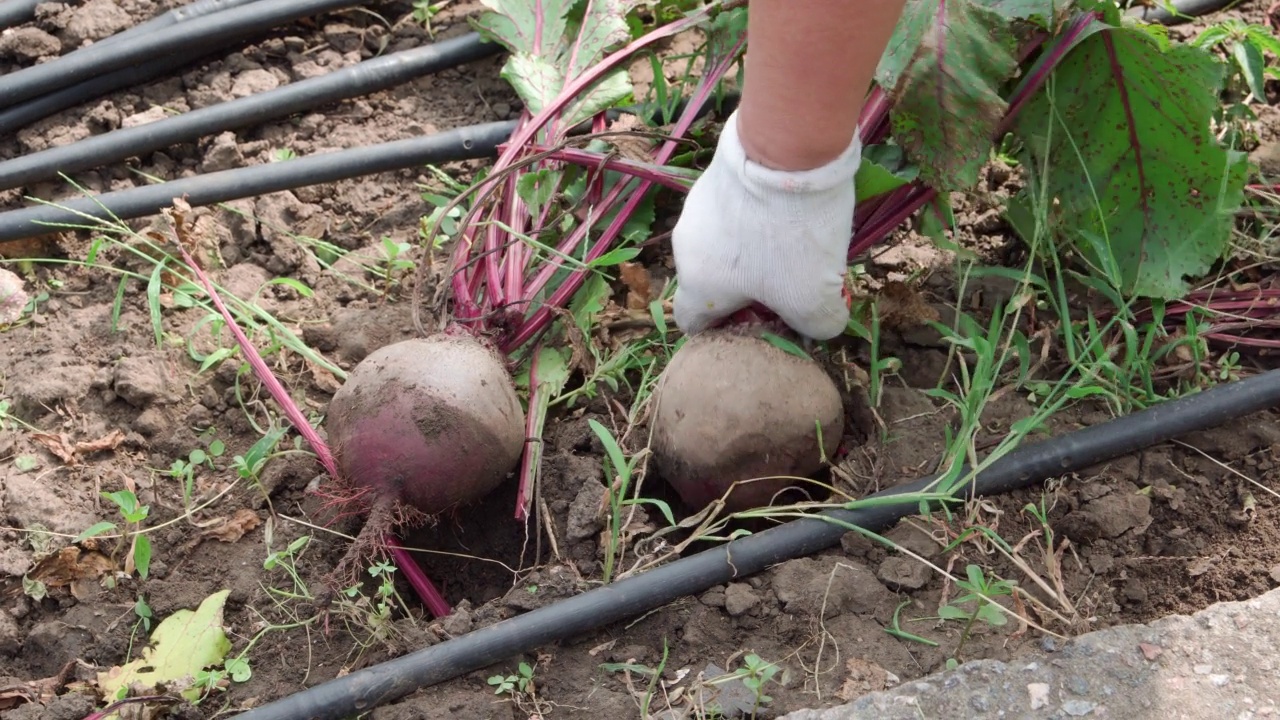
point(733, 407)
point(430, 423)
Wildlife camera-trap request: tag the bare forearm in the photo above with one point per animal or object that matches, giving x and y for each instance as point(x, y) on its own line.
point(809, 66)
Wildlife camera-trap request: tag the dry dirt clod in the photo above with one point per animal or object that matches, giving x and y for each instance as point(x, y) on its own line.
point(142, 380)
point(828, 585)
point(28, 44)
point(903, 573)
point(30, 502)
point(10, 635)
point(1109, 516)
point(95, 20)
point(739, 599)
point(45, 384)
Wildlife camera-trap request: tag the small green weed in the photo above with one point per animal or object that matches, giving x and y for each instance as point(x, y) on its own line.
point(621, 473)
point(1245, 46)
point(394, 263)
point(981, 591)
point(870, 333)
point(521, 689)
point(755, 674)
point(654, 674)
point(184, 469)
point(375, 613)
point(424, 11)
point(133, 513)
point(895, 628)
point(521, 681)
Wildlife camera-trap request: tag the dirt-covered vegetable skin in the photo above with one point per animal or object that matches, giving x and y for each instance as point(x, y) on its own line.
point(432, 423)
point(733, 407)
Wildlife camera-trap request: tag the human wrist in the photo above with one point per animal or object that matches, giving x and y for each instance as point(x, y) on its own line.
point(833, 170)
point(778, 146)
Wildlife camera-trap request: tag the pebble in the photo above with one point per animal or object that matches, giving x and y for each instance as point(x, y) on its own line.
point(1039, 693)
point(1078, 708)
point(1078, 685)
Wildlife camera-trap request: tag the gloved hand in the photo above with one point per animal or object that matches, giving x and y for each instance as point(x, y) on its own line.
point(749, 233)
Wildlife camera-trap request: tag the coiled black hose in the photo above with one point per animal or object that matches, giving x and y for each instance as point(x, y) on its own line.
point(180, 39)
point(366, 77)
point(361, 691)
point(466, 143)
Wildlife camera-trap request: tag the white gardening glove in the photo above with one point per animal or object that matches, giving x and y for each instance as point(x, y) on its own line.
point(749, 233)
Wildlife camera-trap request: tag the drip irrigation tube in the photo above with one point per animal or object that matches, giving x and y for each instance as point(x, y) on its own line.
point(466, 143)
point(16, 118)
point(198, 33)
point(199, 8)
point(366, 77)
point(1186, 10)
point(16, 12)
point(361, 691)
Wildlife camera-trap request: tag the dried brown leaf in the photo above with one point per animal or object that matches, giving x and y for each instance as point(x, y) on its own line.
point(232, 528)
point(110, 441)
point(903, 308)
point(59, 445)
point(864, 677)
point(35, 691)
point(637, 146)
point(69, 565)
point(639, 286)
point(69, 453)
point(324, 379)
point(39, 246)
point(12, 698)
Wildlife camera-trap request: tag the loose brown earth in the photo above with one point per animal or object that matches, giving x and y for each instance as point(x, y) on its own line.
point(1169, 530)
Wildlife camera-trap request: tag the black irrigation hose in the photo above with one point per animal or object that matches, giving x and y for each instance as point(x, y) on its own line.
point(361, 691)
point(181, 39)
point(366, 77)
point(1186, 11)
point(199, 8)
point(16, 118)
point(466, 143)
point(16, 12)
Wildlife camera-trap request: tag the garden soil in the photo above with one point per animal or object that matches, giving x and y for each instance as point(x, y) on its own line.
point(1170, 530)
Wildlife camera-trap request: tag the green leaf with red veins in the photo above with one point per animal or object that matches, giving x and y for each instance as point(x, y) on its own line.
point(515, 24)
point(943, 72)
point(1045, 14)
point(549, 47)
point(1128, 159)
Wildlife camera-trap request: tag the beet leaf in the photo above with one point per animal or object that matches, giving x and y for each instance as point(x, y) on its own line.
point(548, 47)
point(1121, 139)
point(944, 72)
